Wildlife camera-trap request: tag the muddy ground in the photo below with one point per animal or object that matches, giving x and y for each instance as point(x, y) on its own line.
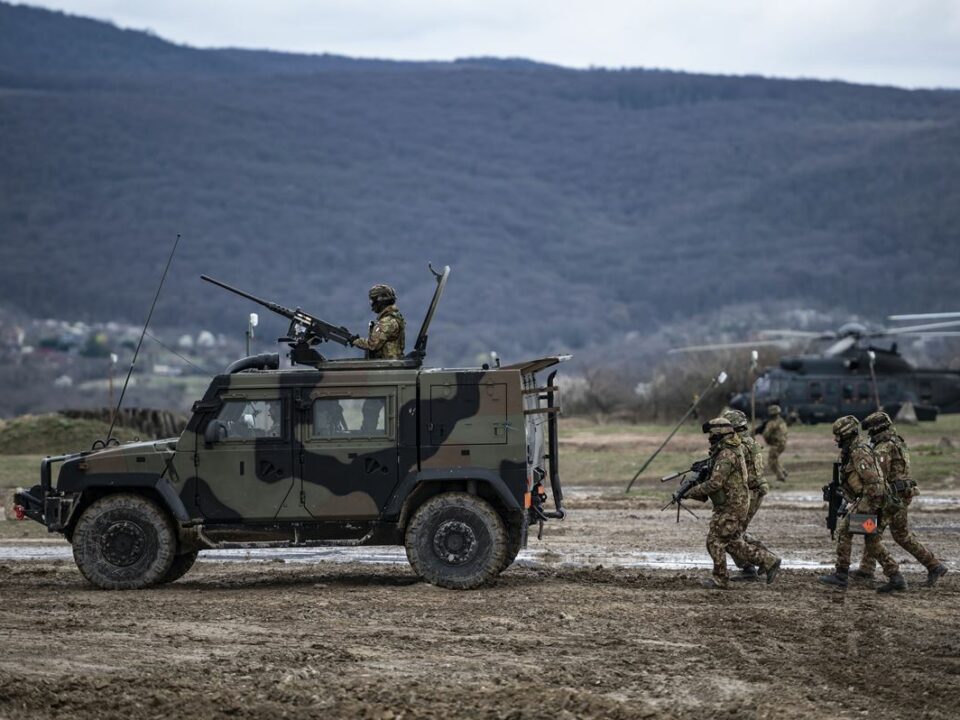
point(604, 618)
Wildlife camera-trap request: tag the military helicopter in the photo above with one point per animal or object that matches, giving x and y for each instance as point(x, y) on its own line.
point(851, 376)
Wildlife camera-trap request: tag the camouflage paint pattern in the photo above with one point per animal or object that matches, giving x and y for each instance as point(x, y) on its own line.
point(445, 424)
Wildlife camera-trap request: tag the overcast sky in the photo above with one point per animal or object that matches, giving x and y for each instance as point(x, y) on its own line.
point(911, 43)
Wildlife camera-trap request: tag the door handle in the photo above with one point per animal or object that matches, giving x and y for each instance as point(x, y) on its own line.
point(267, 468)
point(351, 456)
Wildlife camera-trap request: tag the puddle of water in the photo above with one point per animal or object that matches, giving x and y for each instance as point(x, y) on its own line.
point(397, 556)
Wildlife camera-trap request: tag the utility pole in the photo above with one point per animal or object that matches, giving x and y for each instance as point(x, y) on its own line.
point(113, 363)
point(873, 378)
point(252, 322)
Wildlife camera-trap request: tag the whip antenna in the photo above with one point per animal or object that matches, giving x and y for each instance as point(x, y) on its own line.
point(116, 410)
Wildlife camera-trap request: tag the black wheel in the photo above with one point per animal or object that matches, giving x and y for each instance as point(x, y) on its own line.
point(124, 542)
point(514, 543)
point(180, 566)
point(456, 540)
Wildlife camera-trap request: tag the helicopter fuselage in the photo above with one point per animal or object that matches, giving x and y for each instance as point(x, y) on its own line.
point(820, 389)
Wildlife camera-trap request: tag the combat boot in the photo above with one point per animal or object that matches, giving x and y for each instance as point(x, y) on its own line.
point(712, 584)
point(935, 573)
point(748, 573)
point(773, 571)
point(839, 579)
point(859, 574)
point(893, 584)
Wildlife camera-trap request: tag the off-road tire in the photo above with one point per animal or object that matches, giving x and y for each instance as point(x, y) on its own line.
point(468, 530)
point(124, 542)
point(514, 544)
point(180, 566)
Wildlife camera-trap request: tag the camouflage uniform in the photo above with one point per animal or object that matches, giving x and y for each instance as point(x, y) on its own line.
point(388, 333)
point(756, 482)
point(387, 336)
point(894, 461)
point(861, 481)
point(775, 435)
point(727, 490)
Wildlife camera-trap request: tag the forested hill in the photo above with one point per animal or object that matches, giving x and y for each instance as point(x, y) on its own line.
point(576, 207)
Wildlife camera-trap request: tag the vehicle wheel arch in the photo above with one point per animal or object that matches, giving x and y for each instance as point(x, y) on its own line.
point(167, 502)
point(476, 481)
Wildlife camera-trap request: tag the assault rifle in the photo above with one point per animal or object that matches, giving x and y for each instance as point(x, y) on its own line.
point(305, 330)
point(702, 468)
point(833, 497)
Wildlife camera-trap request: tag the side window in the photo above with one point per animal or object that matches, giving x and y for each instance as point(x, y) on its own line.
point(349, 418)
point(251, 420)
point(816, 391)
point(848, 392)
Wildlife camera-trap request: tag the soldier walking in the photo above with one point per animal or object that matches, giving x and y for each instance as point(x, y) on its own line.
point(726, 488)
point(756, 484)
point(775, 435)
point(862, 484)
point(894, 460)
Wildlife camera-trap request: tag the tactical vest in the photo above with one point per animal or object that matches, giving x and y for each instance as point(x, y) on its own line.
point(734, 490)
point(895, 462)
point(393, 348)
point(852, 484)
point(754, 458)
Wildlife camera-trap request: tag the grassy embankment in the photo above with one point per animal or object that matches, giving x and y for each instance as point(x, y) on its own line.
point(609, 455)
point(24, 441)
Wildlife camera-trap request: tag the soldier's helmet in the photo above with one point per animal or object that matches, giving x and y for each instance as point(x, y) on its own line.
point(876, 422)
point(383, 292)
point(718, 427)
point(737, 418)
point(773, 410)
point(846, 427)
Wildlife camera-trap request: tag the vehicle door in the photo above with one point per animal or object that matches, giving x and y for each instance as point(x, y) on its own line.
point(348, 450)
point(245, 461)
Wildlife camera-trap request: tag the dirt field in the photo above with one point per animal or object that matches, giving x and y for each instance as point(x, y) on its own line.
point(558, 636)
point(603, 618)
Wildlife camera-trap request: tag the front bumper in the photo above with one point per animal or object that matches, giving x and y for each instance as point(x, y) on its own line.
point(44, 504)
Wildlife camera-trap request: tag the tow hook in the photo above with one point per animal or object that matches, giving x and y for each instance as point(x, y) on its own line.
point(19, 512)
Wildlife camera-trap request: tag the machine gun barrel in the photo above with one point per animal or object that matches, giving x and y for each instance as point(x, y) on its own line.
point(316, 329)
point(275, 307)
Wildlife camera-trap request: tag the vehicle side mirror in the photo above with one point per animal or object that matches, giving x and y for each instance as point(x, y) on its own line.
point(215, 432)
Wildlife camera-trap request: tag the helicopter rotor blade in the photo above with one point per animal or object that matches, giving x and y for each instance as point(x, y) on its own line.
point(728, 346)
point(840, 346)
point(916, 328)
point(797, 334)
point(925, 316)
point(944, 333)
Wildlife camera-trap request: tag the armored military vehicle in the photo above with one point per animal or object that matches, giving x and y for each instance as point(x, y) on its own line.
point(451, 463)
